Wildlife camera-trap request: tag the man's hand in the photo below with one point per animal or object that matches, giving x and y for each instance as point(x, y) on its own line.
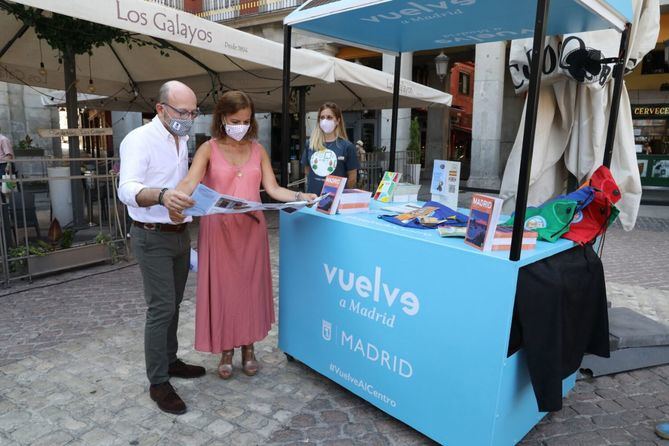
point(177, 217)
point(176, 201)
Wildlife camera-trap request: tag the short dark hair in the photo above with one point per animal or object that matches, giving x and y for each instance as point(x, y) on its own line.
point(231, 102)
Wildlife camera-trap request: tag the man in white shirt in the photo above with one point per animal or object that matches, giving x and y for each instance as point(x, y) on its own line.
point(6, 152)
point(154, 159)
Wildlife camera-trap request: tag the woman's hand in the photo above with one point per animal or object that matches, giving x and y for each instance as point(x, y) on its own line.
point(177, 217)
point(310, 198)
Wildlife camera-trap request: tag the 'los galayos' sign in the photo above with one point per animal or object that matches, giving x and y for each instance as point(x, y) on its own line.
point(650, 111)
point(172, 22)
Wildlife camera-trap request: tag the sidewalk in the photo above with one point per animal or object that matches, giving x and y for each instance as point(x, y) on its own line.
point(72, 372)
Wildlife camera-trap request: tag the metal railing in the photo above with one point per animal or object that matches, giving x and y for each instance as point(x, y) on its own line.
point(374, 164)
point(30, 242)
point(223, 10)
point(176, 4)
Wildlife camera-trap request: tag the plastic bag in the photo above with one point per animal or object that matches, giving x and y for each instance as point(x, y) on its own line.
point(193, 260)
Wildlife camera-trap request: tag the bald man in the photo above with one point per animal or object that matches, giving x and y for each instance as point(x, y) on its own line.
point(154, 159)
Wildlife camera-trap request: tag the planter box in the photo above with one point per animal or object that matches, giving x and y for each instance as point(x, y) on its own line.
point(29, 153)
point(69, 258)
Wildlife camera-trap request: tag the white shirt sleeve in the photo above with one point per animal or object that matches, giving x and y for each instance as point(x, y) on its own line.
point(134, 166)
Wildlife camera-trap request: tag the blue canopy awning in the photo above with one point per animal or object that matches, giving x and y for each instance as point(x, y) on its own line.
point(402, 25)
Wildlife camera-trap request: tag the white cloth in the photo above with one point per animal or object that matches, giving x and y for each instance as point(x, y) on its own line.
point(149, 159)
point(572, 120)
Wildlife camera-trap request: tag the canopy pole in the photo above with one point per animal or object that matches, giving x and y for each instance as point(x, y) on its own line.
point(70, 75)
point(303, 124)
point(530, 125)
point(396, 103)
point(285, 105)
point(618, 74)
point(11, 41)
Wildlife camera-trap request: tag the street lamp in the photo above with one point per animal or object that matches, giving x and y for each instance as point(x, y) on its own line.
point(441, 65)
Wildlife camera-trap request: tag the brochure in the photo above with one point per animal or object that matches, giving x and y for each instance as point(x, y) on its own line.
point(405, 192)
point(208, 201)
point(503, 235)
point(483, 218)
point(354, 200)
point(445, 182)
point(333, 187)
point(384, 193)
point(402, 208)
point(425, 211)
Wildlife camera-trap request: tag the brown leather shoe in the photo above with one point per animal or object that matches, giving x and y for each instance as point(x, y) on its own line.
point(180, 369)
point(249, 363)
point(167, 399)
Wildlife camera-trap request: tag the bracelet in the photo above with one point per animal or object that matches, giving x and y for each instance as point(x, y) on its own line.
point(160, 195)
point(297, 195)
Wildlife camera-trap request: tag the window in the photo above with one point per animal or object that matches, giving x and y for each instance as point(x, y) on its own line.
point(463, 83)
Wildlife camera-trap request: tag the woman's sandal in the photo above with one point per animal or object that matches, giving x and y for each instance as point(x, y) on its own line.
point(249, 362)
point(225, 366)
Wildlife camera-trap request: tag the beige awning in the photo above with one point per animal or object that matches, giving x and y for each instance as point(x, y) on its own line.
point(207, 56)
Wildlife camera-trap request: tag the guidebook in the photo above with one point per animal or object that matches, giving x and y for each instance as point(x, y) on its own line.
point(208, 201)
point(333, 187)
point(483, 219)
point(384, 193)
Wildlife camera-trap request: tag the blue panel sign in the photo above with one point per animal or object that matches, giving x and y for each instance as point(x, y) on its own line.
point(426, 24)
point(414, 326)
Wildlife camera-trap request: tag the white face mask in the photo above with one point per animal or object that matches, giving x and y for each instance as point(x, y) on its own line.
point(236, 131)
point(328, 125)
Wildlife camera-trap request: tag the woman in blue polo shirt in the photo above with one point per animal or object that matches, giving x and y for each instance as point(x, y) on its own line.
point(329, 151)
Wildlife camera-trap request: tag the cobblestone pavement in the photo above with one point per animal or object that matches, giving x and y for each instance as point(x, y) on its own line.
point(71, 372)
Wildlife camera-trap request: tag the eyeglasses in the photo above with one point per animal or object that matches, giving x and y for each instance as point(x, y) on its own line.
point(183, 114)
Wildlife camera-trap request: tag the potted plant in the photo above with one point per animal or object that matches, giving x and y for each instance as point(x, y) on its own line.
point(25, 148)
point(413, 153)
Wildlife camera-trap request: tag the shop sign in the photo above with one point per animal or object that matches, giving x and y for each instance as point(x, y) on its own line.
point(650, 111)
point(60, 133)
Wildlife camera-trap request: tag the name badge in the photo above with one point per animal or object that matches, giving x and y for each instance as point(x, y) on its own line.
point(341, 158)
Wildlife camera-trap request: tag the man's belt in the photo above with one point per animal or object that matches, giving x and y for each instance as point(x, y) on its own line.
point(160, 227)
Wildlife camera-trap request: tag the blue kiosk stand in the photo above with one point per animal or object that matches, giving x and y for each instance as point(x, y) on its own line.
point(415, 324)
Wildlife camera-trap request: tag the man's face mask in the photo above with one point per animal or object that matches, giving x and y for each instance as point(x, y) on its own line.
point(179, 126)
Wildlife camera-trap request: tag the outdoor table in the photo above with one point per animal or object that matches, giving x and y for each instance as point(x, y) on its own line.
point(416, 324)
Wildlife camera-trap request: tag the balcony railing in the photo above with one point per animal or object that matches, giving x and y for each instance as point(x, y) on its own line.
point(176, 4)
point(223, 10)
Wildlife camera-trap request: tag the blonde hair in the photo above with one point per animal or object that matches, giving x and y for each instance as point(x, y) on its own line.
point(317, 139)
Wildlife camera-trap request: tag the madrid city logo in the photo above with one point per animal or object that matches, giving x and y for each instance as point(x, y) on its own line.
point(327, 330)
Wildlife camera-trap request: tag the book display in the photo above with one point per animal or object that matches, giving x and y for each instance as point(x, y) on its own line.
point(333, 188)
point(384, 193)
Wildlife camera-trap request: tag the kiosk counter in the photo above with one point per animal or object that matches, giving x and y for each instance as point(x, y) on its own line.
point(416, 324)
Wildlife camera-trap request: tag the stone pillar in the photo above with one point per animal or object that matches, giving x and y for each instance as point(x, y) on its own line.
point(404, 114)
point(5, 116)
point(122, 124)
point(264, 121)
point(438, 132)
point(487, 119)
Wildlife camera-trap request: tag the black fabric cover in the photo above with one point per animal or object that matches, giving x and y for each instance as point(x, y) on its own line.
point(560, 314)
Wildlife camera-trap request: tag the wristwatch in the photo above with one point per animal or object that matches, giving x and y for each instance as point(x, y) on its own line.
point(160, 195)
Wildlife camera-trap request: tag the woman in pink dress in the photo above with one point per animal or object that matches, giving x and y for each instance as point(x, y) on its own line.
point(234, 306)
